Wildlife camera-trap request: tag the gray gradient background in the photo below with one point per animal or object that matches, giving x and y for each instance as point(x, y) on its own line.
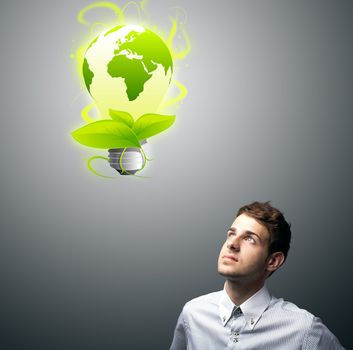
point(88, 263)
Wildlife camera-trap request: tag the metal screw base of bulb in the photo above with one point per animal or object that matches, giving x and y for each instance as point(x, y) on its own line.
point(127, 161)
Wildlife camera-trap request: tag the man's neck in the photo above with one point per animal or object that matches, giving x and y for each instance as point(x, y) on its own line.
point(239, 292)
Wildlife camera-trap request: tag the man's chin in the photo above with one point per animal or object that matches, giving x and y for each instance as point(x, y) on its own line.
point(226, 274)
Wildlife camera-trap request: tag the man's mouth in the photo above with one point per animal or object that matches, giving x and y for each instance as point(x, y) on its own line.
point(230, 257)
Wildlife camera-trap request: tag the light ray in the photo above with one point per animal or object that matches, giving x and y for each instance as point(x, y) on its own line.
point(103, 4)
point(85, 113)
point(90, 168)
point(182, 93)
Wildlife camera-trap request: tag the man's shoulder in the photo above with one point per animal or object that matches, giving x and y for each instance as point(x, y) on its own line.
point(291, 311)
point(295, 319)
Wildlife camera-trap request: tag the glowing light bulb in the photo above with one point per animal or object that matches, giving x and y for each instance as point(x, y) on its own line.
point(127, 71)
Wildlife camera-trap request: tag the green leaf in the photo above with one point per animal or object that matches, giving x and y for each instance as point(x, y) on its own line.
point(106, 134)
point(122, 117)
point(152, 124)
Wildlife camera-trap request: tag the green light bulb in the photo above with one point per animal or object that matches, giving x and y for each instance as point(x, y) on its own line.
point(128, 69)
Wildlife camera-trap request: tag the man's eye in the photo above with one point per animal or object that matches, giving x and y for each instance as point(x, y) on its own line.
point(249, 239)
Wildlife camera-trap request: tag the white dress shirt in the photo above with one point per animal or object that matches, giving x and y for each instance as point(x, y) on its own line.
point(262, 322)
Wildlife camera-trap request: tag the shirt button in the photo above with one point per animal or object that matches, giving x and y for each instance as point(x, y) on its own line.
point(235, 337)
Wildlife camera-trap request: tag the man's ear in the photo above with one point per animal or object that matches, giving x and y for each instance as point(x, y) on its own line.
point(275, 261)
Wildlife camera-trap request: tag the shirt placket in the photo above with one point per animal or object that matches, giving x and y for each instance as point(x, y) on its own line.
point(236, 325)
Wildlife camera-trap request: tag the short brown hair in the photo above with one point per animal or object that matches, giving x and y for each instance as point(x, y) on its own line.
point(274, 221)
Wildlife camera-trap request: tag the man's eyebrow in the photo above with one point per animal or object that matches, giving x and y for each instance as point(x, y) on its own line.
point(253, 234)
point(233, 229)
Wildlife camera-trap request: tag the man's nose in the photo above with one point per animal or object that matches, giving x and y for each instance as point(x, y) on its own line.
point(233, 244)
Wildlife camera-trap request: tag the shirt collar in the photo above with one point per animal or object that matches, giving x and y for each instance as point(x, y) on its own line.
point(252, 308)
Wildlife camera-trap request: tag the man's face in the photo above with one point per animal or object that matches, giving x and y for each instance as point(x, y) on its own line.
point(244, 254)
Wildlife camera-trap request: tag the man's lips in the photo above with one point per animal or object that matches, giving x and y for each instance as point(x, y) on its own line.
point(230, 257)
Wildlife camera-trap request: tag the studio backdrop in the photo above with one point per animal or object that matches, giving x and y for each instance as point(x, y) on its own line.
point(94, 263)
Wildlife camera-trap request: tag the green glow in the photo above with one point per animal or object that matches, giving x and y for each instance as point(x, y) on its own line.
point(143, 5)
point(144, 159)
point(137, 7)
point(182, 93)
point(178, 54)
point(90, 168)
point(103, 4)
point(85, 113)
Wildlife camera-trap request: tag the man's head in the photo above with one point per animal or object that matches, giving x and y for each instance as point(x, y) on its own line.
point(257, 243)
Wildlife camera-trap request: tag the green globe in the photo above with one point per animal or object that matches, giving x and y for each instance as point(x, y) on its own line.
point(127, 68)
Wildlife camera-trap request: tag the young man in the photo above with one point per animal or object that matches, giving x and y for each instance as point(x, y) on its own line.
point(244, 315)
